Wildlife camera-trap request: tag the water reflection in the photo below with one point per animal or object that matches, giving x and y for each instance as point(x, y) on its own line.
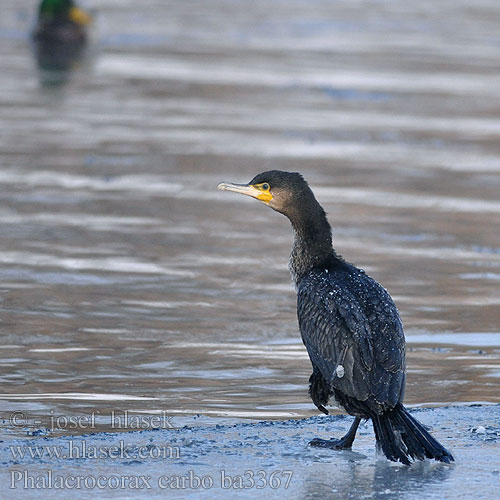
point(355, 479)
point(55, 60)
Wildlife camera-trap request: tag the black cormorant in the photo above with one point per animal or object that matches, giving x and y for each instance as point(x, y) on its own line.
point(349, 324)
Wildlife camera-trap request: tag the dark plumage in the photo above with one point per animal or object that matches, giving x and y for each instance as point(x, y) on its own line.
point(61, 21)
point(59, 40)
point(349, 324)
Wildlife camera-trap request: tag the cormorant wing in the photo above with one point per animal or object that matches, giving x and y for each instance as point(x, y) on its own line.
point(356, 343)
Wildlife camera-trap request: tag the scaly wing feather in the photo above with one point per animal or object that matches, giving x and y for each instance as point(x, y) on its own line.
point(353, 334)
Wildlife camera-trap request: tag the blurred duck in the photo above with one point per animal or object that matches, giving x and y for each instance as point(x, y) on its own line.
point(61, 21)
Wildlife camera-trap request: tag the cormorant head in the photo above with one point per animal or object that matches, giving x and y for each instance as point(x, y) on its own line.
point(62, 10)
point(289, 194)
point(285, 192)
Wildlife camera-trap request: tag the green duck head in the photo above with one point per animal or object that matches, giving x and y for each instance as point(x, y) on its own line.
point(62, 10)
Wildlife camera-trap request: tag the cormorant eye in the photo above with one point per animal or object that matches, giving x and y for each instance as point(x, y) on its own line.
point(266, 186)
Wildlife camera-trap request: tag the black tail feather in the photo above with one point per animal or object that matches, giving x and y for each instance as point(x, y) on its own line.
point(389, 440)
point(403, 438)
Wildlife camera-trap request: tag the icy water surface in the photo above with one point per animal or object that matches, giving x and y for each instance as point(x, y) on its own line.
point(129, 283)
point(268, 459)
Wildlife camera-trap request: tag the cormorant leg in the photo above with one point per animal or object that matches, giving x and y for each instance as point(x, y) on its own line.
point(339, 444)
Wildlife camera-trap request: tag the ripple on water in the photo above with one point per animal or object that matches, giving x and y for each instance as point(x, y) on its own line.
point(483, 339)
point(128, 281)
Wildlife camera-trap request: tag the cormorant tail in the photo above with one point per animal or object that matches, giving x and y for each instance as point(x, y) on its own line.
point(403, 438)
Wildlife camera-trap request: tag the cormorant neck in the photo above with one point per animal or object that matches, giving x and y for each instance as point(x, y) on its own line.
point(312, 246)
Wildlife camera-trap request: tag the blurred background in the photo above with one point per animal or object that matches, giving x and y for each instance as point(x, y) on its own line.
point(128, 282)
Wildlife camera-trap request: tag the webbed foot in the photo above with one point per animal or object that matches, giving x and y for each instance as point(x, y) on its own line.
point(344, 443)
point(333, 444)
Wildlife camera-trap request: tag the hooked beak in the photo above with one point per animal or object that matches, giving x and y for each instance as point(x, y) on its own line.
point(246, 189)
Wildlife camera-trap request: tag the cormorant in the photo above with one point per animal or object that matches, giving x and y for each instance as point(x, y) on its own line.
point(61, 21)
point(349, 324)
